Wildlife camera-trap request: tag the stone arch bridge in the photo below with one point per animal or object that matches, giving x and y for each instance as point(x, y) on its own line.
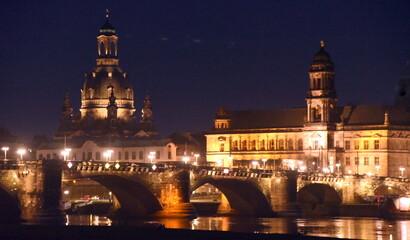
point(32, 190)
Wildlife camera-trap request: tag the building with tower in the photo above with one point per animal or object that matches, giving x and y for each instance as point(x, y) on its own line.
point(320, 137)
point(107, 121)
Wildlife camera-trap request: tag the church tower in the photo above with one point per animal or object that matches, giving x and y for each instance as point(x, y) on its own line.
point(321, 99)
point(147, 118)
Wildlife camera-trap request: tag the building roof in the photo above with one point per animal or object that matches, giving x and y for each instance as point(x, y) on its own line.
point(275, 118)
point(295, 117)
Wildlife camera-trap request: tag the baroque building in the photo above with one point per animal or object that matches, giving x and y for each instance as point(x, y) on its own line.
point(107, 125)
point(321, 136)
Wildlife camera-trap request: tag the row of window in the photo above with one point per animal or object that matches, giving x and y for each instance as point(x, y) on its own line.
point(356, 144)
point(376, 161)
point(252, 145)
point(98, 156)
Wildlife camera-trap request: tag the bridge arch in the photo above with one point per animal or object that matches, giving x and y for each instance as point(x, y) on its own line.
point(136, 199)
point(388, 190)
point(243, 196)
point(9, 207)
point(319, 199)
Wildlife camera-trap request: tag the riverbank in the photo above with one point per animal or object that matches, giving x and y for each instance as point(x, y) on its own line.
point(35, 232)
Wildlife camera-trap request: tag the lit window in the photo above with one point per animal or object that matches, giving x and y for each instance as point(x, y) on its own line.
point(366, 144)
point(376, 161)
point(347, 145)
point(356, 144)
point(366, 161)
point(356, 161)
point(347, 161)
point(376, 144)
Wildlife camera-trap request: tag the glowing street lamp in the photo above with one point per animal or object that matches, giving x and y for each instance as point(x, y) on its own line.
point(107, 155)
point(64, 153)
point(219, 162)
point(377, 169)
point(196, 155)
point(5, 149)
point(21, 152)
point(185, 159)
point(151, 156)
point(264, 162)
point(255, 163)
point(402, 171)
point(338, 167)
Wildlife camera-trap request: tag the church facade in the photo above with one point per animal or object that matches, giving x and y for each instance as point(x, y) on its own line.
point(320, 137)
point(107, 125)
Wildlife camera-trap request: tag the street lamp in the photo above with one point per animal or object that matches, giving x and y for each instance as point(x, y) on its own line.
point(377, 169)
point(402, 171)
point(64, 153)
point(185, 159)
point(264, 162)
point(255, 163)
point(5, 149)
point(151, 156)
point(107, 155)
point(21, 152)
point(338, 167)
point(196, 155)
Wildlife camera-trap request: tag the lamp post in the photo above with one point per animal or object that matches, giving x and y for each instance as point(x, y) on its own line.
point(264, 162)
point(151, 156)
point(338, 167)
point(196, 155)
point(402, 171)
point(21, 152)
point(5, 149)
point(185, 159)
point(255, 163)
point(377, 169)
point(64, 153)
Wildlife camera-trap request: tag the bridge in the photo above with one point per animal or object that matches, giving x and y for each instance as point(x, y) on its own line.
point(31, 190)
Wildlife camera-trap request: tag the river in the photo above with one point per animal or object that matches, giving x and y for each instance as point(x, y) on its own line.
point(339, 227)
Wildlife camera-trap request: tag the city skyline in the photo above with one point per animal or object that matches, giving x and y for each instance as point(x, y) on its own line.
point(196, 57)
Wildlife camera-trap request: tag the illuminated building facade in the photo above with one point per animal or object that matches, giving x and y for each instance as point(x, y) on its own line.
point(319, 137)
point(107, 126)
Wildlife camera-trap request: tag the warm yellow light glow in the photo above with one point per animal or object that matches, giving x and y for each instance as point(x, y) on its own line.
point(69, 164)
point(117, 165)
point(107, 165)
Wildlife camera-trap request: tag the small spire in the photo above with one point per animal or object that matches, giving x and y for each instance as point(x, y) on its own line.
point(322, 43)
point(386, 118)
point(107, 12)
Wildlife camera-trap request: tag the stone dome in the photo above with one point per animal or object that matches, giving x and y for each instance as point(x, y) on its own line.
point(98, 82)
point(322, 61)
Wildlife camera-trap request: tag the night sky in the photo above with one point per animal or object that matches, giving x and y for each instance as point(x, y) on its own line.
point(196, 56)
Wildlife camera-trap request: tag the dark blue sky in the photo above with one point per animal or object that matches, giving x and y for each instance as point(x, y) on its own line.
point(195, 56)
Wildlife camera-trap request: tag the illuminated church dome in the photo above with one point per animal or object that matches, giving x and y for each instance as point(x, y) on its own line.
point(107, 97)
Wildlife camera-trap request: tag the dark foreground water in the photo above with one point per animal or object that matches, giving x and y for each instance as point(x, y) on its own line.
point(341, 227)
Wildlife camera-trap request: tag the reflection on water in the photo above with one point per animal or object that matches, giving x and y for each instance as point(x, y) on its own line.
point(357, 228)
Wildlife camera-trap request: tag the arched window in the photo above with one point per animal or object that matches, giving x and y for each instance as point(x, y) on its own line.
point(262, 145)
point(113, 51)
point(290, 144)
point(300, 144)
point(271, 144)
point(134, 155)
point(235, 145)
point(141, 155)
point(102, 50)
point(127, 156)
point(169, 153)
point(119, 155)
point(281, 144)
point(253, 145)
point(244, 145)
point(97, 156)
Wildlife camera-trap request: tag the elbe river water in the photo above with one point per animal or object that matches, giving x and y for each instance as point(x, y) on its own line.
point(339, 227)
